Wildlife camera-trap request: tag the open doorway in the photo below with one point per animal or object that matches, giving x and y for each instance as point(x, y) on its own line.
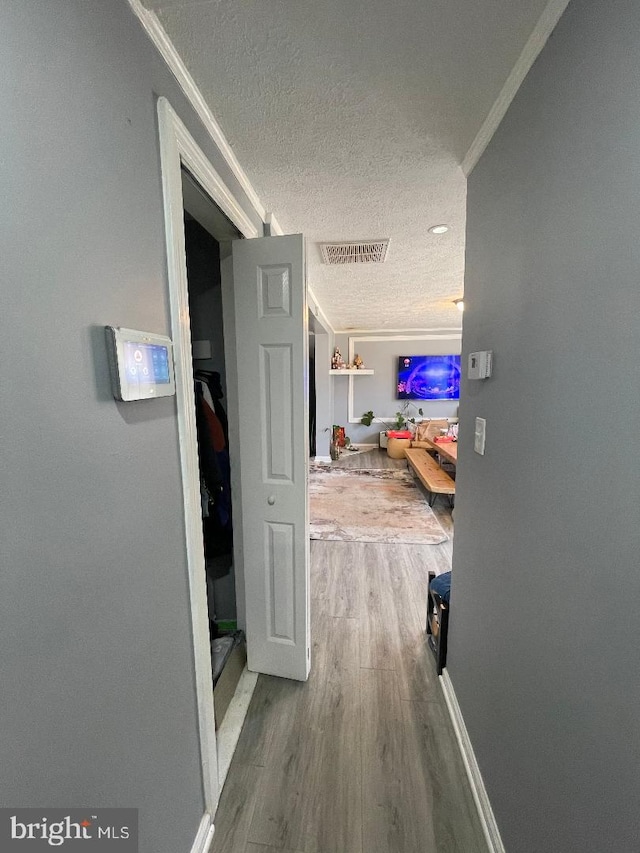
point(312, 393)
point(320, 387)
point(208, 233)
point(264, 316)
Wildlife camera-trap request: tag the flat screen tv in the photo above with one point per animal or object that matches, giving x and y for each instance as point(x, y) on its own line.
point(428, 377)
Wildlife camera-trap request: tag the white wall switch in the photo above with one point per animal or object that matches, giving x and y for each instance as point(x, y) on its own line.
point(481, 428)
point(480, 364)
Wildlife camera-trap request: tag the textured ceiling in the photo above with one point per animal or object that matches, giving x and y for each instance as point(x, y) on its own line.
point(351, 121)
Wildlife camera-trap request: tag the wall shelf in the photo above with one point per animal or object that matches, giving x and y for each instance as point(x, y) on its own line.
point(345, 372)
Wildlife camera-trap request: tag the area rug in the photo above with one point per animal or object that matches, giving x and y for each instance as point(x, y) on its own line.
point(360, 505)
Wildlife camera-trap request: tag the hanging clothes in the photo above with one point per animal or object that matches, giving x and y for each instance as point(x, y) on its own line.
point(214, 386)
point(215, 470)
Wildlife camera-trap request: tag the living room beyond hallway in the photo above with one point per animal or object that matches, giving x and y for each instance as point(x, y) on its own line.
point(380, 459)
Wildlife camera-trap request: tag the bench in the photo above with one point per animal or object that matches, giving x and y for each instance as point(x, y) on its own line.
point(431, 475)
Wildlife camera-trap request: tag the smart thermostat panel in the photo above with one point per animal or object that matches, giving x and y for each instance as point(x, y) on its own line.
point(480, 364)
point(141, 364)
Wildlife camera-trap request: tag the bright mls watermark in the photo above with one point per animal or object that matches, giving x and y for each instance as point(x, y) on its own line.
point(86, 830)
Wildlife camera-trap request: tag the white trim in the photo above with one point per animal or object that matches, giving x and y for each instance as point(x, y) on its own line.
point(204, 836)
point(167, 50)
point(485, 812)
point(156, 32)
point(427, 336)
point(170, 158)
point(200, 167)
point(402, 332)
point(536, 41)
point(453, 336)
point(361, 445)
point(273, 226)
point(318, 312)
point(423, 419)
point(231, 726)
point(177, 147)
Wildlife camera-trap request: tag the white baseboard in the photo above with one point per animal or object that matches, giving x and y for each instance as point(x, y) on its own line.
point(326, 460)
point(204, 836)
point(485, 812)
point(231, 726)
point(227, 740)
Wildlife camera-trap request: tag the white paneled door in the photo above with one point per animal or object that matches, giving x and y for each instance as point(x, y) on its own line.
point(272, 357)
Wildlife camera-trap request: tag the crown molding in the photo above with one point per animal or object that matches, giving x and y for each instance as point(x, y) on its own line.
point(167, 50)
point(438, 332)
point(272, 226)
point(156, 32)
point(536, 41)
point(319, 313)
point(426, 336)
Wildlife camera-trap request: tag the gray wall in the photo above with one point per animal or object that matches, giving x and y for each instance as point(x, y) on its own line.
point(543, 650)
point(378, 392)
point(98, 704)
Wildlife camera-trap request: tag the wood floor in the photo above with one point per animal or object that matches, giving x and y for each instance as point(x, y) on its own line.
point(362, 758)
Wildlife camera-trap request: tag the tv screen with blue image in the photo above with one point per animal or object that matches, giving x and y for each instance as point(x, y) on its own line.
point(428, 377)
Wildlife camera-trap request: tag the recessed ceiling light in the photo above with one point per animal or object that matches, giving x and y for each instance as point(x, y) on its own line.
point(438, 229)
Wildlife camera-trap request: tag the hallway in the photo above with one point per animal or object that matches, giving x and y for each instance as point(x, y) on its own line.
point(362, 757)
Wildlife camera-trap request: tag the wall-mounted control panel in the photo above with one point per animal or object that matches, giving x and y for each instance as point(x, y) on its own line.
point(480, 364)
point(141, 364)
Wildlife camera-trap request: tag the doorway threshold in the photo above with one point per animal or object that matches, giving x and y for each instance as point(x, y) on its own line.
point(229, 732)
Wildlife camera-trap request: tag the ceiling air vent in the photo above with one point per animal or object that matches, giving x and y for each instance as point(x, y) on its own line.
point(362, 252)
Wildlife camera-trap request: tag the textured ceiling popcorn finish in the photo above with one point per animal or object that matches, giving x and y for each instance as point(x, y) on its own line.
point(358, 129)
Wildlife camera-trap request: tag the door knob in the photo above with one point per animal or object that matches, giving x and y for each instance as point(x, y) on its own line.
point(271, 500)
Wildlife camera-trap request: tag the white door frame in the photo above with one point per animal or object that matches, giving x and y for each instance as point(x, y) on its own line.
point(177, 149)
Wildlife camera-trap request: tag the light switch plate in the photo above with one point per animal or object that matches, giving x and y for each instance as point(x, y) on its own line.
point(480, 433)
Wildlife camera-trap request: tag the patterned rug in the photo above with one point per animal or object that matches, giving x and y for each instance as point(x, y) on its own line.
point(360, 505)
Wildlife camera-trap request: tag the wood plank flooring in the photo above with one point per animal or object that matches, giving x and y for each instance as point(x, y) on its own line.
point(362, 758)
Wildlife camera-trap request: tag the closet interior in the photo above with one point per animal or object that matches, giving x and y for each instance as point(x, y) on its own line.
point(203, 220)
